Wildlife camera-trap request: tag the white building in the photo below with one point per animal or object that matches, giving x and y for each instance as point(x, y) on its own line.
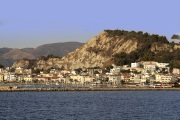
point(176, 71)
point(19, 70)
point(115, 79)
point(82, 79)
point(28, 78)
point(9, 77)
point(162, 65)
point(150, 65)
point(163, 78)
point(135, 65)
point(138, 78)
point(175, 40)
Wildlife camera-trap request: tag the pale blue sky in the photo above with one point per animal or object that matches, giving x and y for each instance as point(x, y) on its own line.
point(30, 23)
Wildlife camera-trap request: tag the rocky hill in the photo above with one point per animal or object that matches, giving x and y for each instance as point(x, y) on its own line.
point(99, 51)
point(9, 55)
point(115, 46)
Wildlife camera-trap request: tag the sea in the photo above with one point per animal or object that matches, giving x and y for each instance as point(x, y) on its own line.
point(90, 105)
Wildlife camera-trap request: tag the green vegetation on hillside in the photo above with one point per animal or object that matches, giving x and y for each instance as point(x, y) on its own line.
point(142, 37)
point(175, 36)
point(48, 57)
point(1, 66)
point(144, 52)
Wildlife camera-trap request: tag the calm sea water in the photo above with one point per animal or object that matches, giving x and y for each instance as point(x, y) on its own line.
point(94, 105)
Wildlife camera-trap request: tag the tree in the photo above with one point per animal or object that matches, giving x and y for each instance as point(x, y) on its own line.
point(36, 71)
point(175, 36)
point(78, 71)
point(1, 66)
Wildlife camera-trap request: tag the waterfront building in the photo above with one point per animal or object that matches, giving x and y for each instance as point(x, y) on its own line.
point(114, 79)
point(163, 78)
point(9, 77)
point(138, 78)
point(81, 79)
point(125, 77)
point(29, 78)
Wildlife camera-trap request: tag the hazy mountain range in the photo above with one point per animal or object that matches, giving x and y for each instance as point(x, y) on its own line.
point(9, 55)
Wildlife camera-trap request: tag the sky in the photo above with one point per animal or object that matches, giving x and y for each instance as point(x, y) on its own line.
point(30, 23)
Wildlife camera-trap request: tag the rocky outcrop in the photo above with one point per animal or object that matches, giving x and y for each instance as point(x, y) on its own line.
point(24, 63)
point(177, 46)
point(98, 51)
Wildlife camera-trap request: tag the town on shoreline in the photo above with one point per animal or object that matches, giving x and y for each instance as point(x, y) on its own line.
point(144, 74)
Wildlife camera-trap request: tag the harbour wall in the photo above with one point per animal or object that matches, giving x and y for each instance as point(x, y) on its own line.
point(85, 89)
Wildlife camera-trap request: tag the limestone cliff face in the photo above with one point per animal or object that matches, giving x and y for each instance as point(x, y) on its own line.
point(96, 52)
point(49, 63)
point(177, 46)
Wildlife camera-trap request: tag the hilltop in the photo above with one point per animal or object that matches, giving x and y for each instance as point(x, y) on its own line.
point(115, 47)
point(175, 38)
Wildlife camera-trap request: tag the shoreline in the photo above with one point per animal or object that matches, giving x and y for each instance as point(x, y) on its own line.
point(86, 89)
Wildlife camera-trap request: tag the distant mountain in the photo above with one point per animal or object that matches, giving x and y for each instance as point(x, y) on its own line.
point(57, 49)
point(28, 50)
point(9, 55)
point(4, 50)
point(17, 54)
point(5, 62)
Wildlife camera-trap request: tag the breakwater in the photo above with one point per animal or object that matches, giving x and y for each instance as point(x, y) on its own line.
point(87, 89)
